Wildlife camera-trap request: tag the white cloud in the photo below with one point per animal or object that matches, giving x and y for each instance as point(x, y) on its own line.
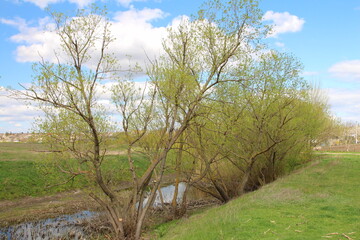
point(280, 44)
point(45, 3)
point(134, 33)
point(82, 3)
point(34, 41)
point(15, 115)
point(42, 3)
point(345, 103)
point(16, 22)
point(127, 3)
point(139, 16)
point(283, 22)
point(135, 36)
point(346, 70)
point(79, 3)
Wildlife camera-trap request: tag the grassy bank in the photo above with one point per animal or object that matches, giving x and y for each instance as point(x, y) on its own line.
point(321, 201)
point(22, 172)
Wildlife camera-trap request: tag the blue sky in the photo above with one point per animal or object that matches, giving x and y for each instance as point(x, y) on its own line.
point(323, 34)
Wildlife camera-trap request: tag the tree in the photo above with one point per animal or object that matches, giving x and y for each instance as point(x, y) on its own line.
point(75, 124)
point(199, 54)
point(254, 131)
point(199, 57)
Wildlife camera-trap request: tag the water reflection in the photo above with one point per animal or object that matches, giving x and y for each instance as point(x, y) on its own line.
point(63, 227)
point(72, 226)
point(167, 194)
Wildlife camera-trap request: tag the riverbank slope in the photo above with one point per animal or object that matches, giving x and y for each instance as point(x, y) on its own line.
point(321, 201)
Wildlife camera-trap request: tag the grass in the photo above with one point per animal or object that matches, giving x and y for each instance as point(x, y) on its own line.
point(319, 202)
point(20, 173)
point(21, 151)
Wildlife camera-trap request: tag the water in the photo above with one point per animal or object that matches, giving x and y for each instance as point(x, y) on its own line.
point(72, 226)
point(63, 227)
point(169, 191)
point(168, 194)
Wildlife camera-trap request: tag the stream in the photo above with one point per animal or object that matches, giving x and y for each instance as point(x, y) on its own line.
point(63, 227)
point(167, 194)
point(73, 226)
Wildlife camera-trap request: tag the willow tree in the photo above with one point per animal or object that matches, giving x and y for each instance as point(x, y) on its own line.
point(75, 124)
point(198, 55)
point(251, 132)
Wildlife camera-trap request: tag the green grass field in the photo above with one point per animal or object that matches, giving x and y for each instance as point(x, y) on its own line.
point(321, 201)
point(20, 173)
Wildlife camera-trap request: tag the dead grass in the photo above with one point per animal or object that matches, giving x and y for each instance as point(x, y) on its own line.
point(36, 208)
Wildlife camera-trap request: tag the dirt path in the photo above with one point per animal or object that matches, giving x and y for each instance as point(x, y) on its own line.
point(339, 153)
point(35, 208)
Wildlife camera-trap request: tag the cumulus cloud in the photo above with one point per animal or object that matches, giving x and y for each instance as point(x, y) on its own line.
point(79, 3)
point(42, 3)
point(345, 103)
point(135, 36)
point(283, 22)
point(45, 3)
point(34, 41)
point(82, 3)
point(346, 70)
point(127, 3)
point(15, 115)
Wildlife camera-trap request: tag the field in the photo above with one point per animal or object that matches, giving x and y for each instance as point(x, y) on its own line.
point(22, 173)
point(355, 148)
point(321, 201)
point(19, 176)
point(27, 194)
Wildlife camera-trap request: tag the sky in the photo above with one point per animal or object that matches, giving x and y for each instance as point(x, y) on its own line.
point(323, 34)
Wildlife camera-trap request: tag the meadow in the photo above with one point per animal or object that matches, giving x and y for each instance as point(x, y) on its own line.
point(320, 201)
point(22, 171)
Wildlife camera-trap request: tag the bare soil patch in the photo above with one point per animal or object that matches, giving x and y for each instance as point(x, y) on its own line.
point(36, 208)
point(342, 148)
point(116, 152)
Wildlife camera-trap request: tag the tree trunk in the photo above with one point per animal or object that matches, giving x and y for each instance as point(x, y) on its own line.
point(184, 200)
point(174, 203)
point(113, 215)
point(224, 196)
point(245, 179)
